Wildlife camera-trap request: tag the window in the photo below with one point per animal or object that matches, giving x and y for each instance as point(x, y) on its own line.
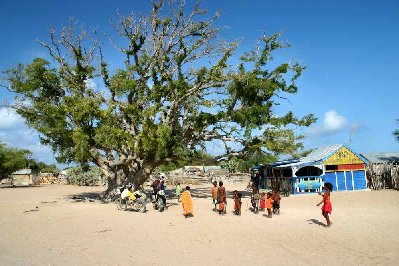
point(331, 167)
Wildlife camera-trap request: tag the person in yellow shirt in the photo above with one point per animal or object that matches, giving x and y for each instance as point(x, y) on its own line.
point(130, 194)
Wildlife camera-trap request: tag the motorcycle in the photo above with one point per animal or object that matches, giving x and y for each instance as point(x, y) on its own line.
point(158, 200)
point(125, 202)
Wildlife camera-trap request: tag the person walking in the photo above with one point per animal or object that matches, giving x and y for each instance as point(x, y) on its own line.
point(187, 203)
point(222, 198)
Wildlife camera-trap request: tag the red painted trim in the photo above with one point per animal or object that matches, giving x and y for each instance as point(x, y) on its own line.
point(342, 167)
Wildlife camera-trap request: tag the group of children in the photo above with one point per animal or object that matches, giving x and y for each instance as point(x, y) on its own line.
point(266, 201)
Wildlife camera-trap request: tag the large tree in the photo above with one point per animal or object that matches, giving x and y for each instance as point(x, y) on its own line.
point(180, 88)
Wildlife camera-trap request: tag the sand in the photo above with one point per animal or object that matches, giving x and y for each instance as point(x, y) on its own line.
point(43, 226)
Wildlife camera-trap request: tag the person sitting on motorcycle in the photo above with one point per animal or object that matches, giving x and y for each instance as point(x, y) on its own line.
point(155, 185)
point(161, 193)
point(130, 193)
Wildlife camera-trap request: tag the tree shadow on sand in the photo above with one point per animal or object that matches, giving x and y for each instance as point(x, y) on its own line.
point(315, 221)
point(85, 196)
point(19, 187)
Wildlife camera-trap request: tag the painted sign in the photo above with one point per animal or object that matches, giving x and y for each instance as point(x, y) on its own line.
point(311, 184)
point(343, 156)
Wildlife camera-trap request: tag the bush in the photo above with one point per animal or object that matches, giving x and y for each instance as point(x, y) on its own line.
point(88, 176)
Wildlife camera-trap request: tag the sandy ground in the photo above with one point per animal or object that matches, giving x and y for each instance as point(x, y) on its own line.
point(43, 226)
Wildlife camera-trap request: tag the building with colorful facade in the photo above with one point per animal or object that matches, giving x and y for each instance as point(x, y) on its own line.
point(336, 164)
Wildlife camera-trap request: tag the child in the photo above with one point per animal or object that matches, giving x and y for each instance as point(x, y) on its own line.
point(187, 203)
point(262, 201)
point(214, 192)
point(235, 194)
point(276, 201)
point(237, 202)
point(327, 207)
point(221, 196)
point(255, 200)
point(269, 204)
point(178, 191)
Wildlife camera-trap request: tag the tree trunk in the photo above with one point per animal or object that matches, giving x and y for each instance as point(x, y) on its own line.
point(136, 175)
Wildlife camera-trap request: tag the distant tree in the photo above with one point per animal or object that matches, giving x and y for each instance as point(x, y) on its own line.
point(231, 165)
point(50, 168)
point(255, 158)
point(12, 159)
point(193, 158)
point(175, 93)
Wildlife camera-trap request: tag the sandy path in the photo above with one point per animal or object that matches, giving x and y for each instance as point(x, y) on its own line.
point(64, 232)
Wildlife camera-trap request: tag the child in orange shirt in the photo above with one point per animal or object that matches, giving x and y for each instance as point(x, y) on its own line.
point(269, 204)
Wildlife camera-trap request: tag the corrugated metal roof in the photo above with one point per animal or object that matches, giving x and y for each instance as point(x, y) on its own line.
point(321, 153)
point(316, 155)
point(289, 161)
point(23, 172)
point(382, 157)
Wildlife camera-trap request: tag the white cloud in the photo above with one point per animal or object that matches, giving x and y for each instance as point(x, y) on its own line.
point(9, 118)
point(15, 133)
point(332, 123)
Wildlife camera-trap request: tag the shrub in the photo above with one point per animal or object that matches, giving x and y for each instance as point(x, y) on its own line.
point(86, 176)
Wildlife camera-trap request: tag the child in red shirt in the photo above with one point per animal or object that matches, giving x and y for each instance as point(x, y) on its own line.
point(262, 201)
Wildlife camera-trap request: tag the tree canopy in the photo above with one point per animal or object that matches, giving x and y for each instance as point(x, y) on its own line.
point(181, 87)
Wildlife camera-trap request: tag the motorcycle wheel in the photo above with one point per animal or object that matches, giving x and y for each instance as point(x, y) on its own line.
point(120, 204)
point(138, 206)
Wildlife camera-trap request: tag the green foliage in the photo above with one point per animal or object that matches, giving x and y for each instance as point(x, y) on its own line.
point(85, 176)
point(191, 158)
point(176, 92)
point(231, 165)
point(13, 159)
point(301, 154)
point(256, 158)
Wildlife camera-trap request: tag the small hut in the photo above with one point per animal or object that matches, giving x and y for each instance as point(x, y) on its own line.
point(383, 170)
point(336, 164)
point(22, 177)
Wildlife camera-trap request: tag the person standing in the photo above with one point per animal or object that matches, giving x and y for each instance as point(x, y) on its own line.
point(214, 192)
point(276, 201)
point(161, 194)
point(222, 198)
point(262, 201)
point(326, 209)
point(269, 204)
point(187, 203)
point(178, 191)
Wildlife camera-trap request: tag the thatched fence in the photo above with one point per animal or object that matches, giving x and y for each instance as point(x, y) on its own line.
point(383, 175)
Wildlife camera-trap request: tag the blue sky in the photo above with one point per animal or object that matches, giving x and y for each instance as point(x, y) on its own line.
point(350, 48)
